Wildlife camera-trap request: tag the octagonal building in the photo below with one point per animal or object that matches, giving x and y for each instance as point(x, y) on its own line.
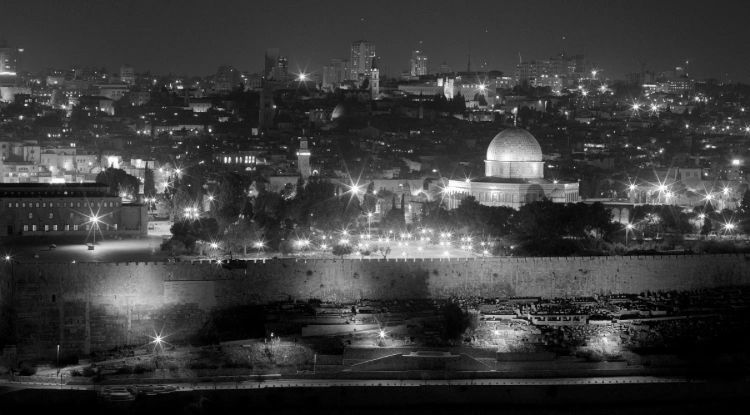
point(514, 175)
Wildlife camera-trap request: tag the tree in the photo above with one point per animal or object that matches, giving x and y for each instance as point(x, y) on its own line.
point(745, 203)
point(394, 219)
point(190, 231)
point(119, 181)
point(458, 104)
point(243, 235)
point(320, 205)
point(707, 226)
point(230, 198)
point(149, 188)
point(341, 250)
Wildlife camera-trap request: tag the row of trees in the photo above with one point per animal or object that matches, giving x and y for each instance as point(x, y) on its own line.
point(540, 228)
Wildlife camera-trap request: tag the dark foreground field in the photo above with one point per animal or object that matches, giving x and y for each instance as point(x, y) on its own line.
point(704, 397)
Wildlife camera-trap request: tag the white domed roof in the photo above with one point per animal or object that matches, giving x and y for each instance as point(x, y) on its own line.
point(338, 112)
point(514, 144)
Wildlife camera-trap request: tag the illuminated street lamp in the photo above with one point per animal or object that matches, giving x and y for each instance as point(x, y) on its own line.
point(629, 227)
point(158, 340)
point(94, 221)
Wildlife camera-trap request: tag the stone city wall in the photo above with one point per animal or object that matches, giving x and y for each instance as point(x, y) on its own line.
point(86, 307)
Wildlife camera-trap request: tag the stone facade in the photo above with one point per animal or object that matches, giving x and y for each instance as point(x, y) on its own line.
point(86, 307)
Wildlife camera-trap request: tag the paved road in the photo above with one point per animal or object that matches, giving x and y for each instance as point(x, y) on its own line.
point(144, 249)
point(322, 383)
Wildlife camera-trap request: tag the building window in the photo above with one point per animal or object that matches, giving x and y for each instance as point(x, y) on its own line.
point(37, 204)
point(44, 204)
point(46, 228)
point(16, 204)
point(51, 215)
point(71, 204)
point(31, 215)
point(23, 204)
point(75, 227)
point(67, 227)
point(54, 227)
point(115, 226)
point(71, 215)
point(33, 228)
point(78, 204)
point(25, 228)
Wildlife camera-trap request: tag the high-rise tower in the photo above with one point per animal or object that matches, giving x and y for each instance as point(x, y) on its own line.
point(418, 63)
point(362, 55)
point(303, 159)
point(8, 64)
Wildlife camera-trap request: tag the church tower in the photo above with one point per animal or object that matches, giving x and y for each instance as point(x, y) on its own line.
point(374, 80)
point(303, 159)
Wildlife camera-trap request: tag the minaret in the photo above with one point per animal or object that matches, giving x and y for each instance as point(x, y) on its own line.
point(374, 79)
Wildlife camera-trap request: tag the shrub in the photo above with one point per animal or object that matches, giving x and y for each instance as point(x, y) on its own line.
point(341, 250)
point(286, 248)
point(142, 368)
point(26, 368)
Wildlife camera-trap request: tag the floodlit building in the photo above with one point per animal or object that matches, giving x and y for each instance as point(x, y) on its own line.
point(29, 209)
point(127, 75)
point(514, 175)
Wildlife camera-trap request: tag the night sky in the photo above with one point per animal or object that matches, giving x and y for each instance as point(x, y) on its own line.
point(195, 36)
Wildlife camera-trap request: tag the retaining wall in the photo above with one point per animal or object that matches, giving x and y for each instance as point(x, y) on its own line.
point(86, 307)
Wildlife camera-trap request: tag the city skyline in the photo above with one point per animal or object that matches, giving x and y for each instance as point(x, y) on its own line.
point(172, 37)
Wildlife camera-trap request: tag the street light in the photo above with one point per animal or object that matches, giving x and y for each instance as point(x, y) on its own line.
point(94, 221)
point(629, 227)
point(729, 227)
